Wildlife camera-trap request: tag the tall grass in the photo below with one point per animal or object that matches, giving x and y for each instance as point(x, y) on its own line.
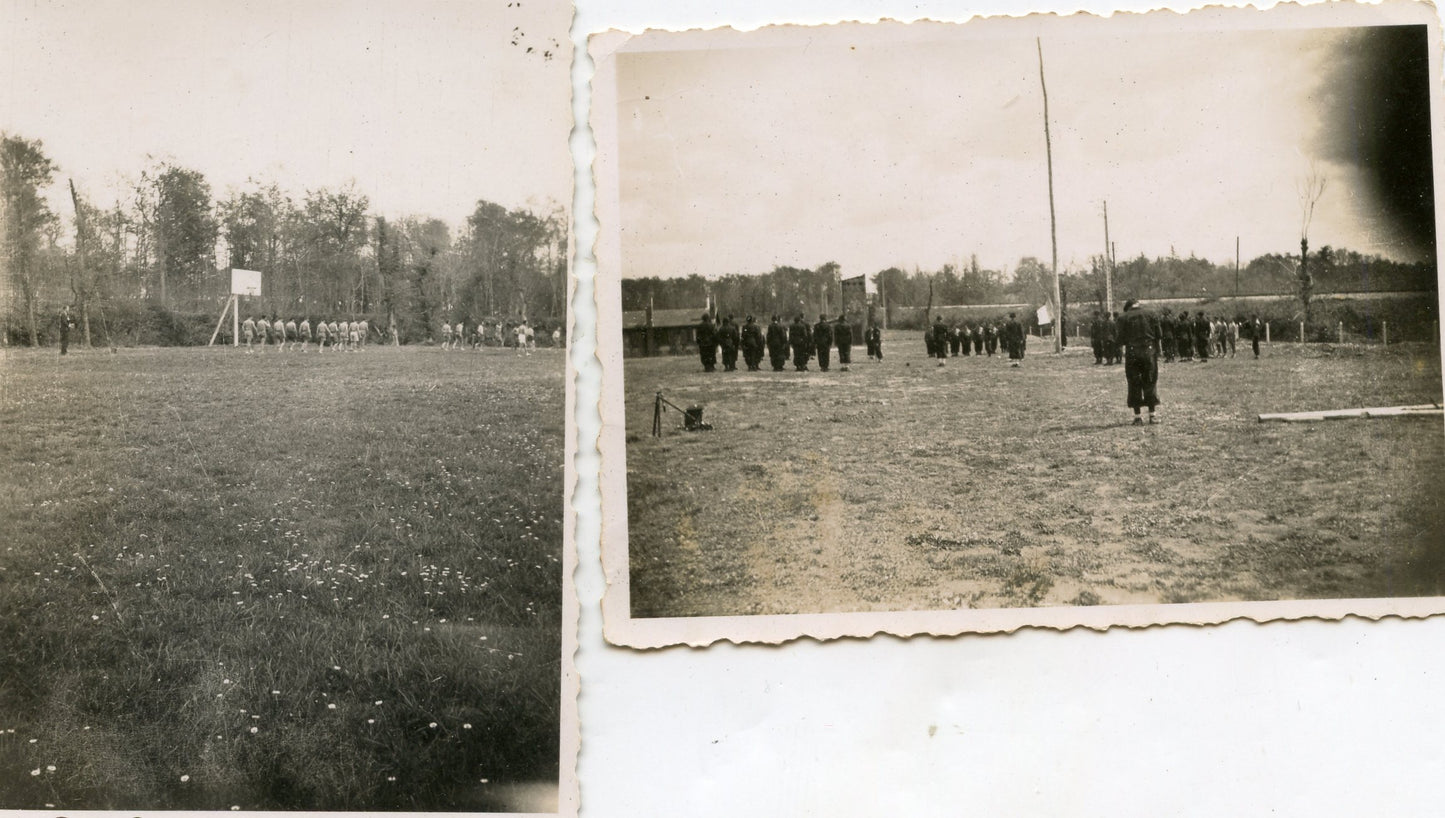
point(279, 581)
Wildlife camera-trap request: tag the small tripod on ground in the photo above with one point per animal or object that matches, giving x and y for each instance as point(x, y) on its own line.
point(691, 416)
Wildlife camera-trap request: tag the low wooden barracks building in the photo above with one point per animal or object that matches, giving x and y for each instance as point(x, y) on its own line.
point(660, 332)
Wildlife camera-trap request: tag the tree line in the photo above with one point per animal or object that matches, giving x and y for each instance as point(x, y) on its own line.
point(789, 290)
point(167, 246)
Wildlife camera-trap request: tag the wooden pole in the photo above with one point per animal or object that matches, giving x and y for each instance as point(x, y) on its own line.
point(1108, 266)
point(1385, 332)
point(221, 321)
point(1266, 334)
point(236, 320)
point(1236, 268)
point(1053, 227)
point(1416, 410)
point(1342, 332)
point(1301, 332)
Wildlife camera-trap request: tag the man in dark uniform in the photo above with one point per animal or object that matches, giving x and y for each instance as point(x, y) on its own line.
point(964, 338)
point(843, 338)
point(1140, 332)
point(822, 341)
point(729, 338)
point(752, 340)
point(990, 338)
point(800, 338)
point(1166, 335)
point(1201, 336)
point(707, 343)
point(953, 340)
point(777, 344)
point(874, 337)
point(65, 326)
point(940, 339)
point(977, 339)
point(1184, 337)
point(1256, 332)
point(1013, 339)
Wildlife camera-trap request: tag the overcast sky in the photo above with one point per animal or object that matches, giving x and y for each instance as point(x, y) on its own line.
point(426, 105)
point(843, 147)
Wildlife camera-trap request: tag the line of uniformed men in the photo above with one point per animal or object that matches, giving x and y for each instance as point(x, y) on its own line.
point(949, 340)
point(1181, 337)
point(804, 341)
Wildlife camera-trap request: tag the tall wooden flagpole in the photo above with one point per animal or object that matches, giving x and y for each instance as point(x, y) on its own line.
point(1236, 268)
point(1108, 264)
point(1053, 227)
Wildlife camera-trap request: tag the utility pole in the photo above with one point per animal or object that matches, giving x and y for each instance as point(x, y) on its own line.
point(1053, 228)
point(1236, 267)
point(1108, 264)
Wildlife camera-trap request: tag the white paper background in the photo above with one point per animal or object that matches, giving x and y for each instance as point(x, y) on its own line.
point(1288, 719)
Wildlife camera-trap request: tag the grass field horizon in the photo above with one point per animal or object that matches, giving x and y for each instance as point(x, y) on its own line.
point(280, 580)
point(903, 485)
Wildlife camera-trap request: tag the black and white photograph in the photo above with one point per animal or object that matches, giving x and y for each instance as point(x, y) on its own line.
point(283, 407)
point(1050, 321)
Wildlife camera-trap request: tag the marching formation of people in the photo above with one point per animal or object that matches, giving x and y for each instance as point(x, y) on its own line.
point(518, 335)
point(259, 332)
point(340, 336)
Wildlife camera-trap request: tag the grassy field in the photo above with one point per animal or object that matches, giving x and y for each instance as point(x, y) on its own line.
point(906, 486)
point(280, 581)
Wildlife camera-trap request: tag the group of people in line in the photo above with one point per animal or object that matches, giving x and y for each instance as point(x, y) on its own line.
point(1182, 338)
point(807, 342)
point(520, 336)
point(261, 332)
point(1139, 338)
point(984, 338)
point(816, 342)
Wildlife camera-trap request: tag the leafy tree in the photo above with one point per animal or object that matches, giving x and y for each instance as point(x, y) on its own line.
point(331, 235)
point(183, 228)
point(262, 231)
point(25, 171)
point(510, 262)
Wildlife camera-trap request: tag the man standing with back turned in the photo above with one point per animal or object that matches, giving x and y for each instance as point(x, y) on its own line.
point(1139, 332)
point(843, 337)
point(822, 341)
point(707, 343)
point(777, 344)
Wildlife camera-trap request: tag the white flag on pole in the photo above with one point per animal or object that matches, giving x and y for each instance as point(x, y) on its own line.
point(1045, 317)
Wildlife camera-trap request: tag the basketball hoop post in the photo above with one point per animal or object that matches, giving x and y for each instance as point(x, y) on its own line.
point(231, 306)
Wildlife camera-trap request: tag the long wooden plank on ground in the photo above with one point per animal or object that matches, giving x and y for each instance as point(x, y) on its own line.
point(1341, 414)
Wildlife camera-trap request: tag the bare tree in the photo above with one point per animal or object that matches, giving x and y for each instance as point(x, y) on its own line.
point(1310, 189)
